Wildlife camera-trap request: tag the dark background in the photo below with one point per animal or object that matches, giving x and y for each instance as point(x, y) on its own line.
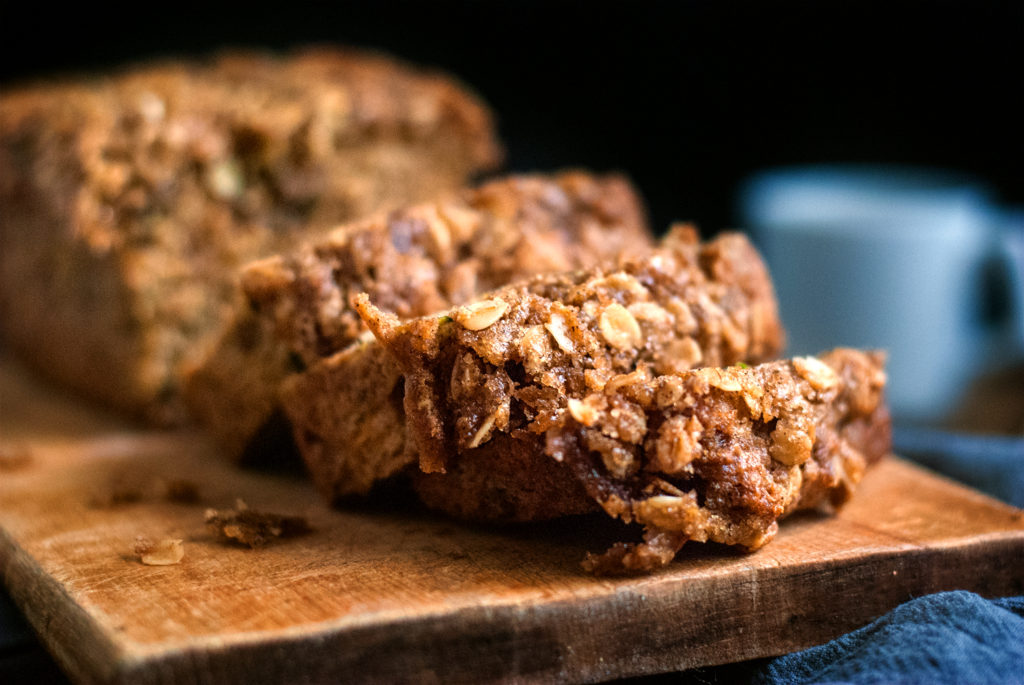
point(688, 98)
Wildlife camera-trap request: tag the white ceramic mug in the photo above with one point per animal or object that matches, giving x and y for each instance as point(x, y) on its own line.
point(891, 258)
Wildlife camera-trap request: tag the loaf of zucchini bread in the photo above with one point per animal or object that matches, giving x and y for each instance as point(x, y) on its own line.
point(129, 201)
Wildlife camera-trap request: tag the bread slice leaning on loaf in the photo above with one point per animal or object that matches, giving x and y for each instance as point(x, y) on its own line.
point(517, 355)
point(420, 259)
point(129, 201)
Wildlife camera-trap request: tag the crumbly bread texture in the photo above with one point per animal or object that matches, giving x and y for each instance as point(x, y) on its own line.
point(481, 374)
point(128, 202)
point(721, 454)
point(411, 262)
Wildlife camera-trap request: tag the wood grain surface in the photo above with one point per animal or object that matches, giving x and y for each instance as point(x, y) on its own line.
point(391, 593)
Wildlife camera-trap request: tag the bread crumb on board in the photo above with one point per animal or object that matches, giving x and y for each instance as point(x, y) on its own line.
point(253, 528)
point(165, 552)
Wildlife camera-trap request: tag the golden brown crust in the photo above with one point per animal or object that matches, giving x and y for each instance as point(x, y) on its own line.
point(425, 258)
point(411, 261)
point(129, 200)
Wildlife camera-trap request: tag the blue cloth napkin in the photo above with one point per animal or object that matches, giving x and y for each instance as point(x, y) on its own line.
point(950, 637)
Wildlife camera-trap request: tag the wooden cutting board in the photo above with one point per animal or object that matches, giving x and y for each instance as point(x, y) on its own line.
point(374, 594)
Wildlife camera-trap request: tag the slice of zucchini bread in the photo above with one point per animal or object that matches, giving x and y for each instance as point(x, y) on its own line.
point(128, 201)
point(505, 366)
point(412, 261)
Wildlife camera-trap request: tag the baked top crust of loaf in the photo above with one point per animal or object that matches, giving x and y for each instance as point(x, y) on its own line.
point(238, 115)
point(131, 199)
point(428, 257)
